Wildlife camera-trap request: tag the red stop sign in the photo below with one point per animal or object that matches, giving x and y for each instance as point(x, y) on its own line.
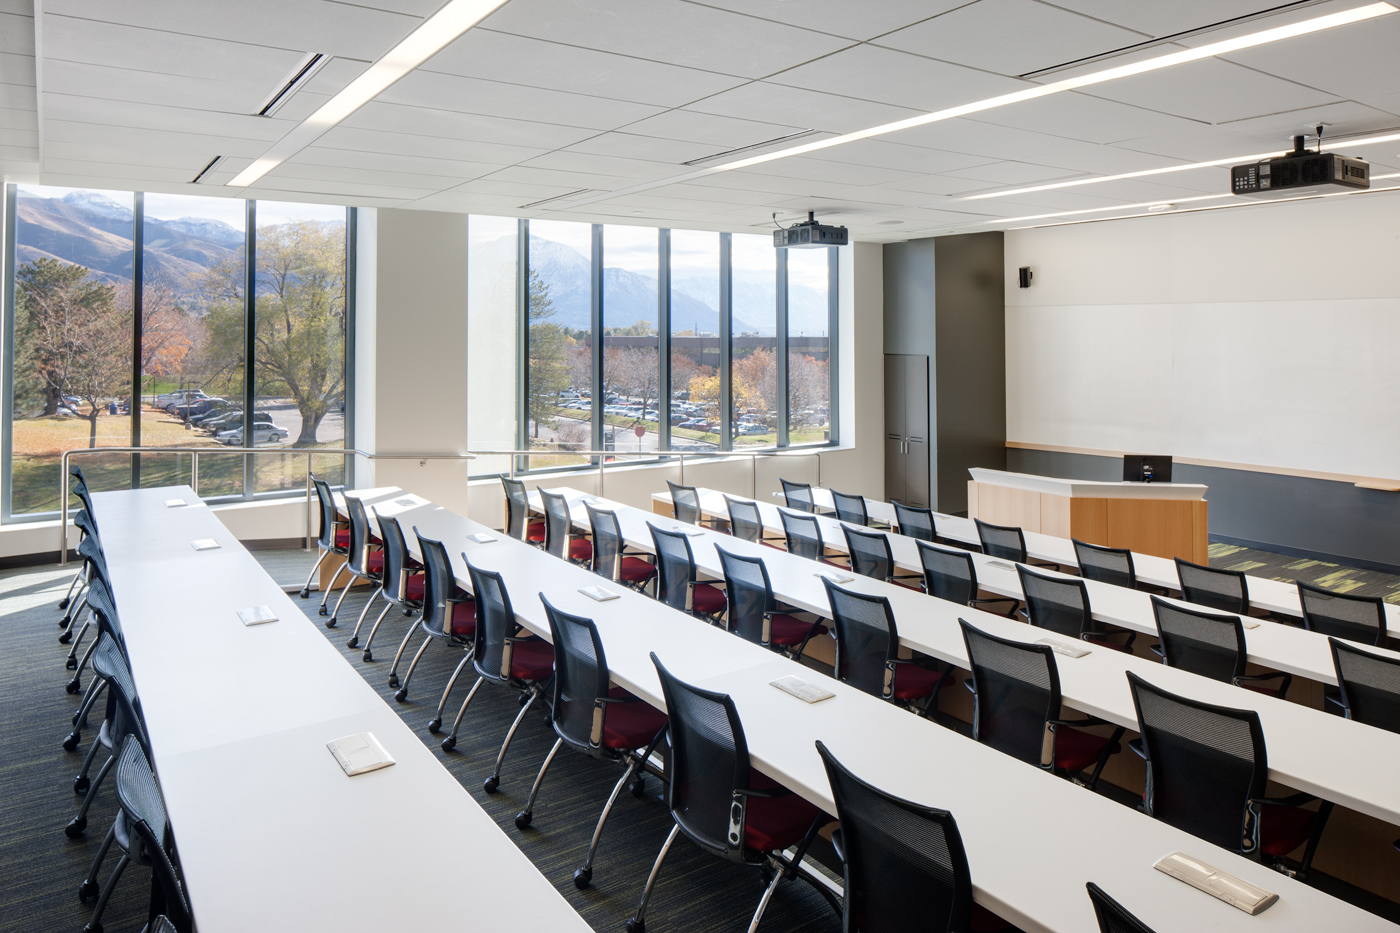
point(639, 431)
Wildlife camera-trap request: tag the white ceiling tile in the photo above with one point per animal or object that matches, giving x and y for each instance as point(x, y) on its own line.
point(1342, 118)
point(1358, 61)
point(1165, 19)
point(422, 121)
point(1010, 37)
point(150, 140)
point(146, 172)
point(275, 181)
point(1200, 143)
point(154, 117)
point(18, 7)
point(842, 173)
point(105, 82)
point(893, 155)
point(1079, 116)
point(841, 17)
point(16, 69)
point(550, 176)
point(385, 162)
point(493, 98)
point(300, 168)
point(16, 34)
point(22, 138)
point(938, 185)
point(497, 56)
point(1009, 143)
point(18, 96)
point(671, 31)
point(18, 119)
point(466, 203)
point(1013, 173)
point(710, 133)
point(898, 78)
point(356, 139)
point(776, 103)
point(1212, 91)
point(631, 145)
point(630, 170)
point(18, 153)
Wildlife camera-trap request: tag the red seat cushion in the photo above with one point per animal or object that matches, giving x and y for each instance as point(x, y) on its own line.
point(774, 823)
point(636, 570)
point(374, 563)
point(1076, 750)
point(416, 585)
point(630, 725)
point(532, 660)
point(580, 549)
point(789, 631)
point(912, 682)
point(1283, 828)
point(464, 619)
point(534, 531)
point(342, 538)
point(707, 599)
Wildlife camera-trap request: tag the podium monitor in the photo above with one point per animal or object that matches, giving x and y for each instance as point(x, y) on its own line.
point(1138, 468)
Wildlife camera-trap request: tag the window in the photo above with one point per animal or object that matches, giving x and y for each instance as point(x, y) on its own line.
point(631, 340)
point(493, 351)
point(754, 366)
point(809, 346)
point(560, 348)
point(695, 350)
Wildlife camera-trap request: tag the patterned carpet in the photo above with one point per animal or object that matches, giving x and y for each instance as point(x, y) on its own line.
point(1320, 573)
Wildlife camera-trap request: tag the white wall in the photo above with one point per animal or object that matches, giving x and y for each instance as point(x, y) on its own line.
point(1264, 335)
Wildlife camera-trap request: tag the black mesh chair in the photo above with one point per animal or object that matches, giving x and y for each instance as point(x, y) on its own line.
point(592, 716)
point(754, 615)
point(1338, 615)
point(744, 519)
point(1222, 590)
point(1113, 917)
point(870, 556)
point(950, 574)
point(676, 585)
point(94, 565)
point(331, 539)
point(804, 536)
point(904, 863)
point(446, 619)
point(98, 582)
point(1368, 686)
point(610, 559)
point(798, 496)
point(1016, 708)
point(685, 505)
point(365, 560)
point(140, 827)
point(1207, 771)
point(915, 523)
point(559, 537)
point(77, 485)
point(403, 584)
point(1001, 541)
point(1210, 645)
point(851, 508)
point(519, 524)
point(1061, 604)
point(1105, 564)
point(867, 652)
point(123, 718)
point(720, 802)
point(503, 656)
point(104, 612)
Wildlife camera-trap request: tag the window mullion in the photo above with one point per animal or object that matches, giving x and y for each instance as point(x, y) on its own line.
point(138, 267)
point(663, 338)
point(250, 342)
point(782, 347)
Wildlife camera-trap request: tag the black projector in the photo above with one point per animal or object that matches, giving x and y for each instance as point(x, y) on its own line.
point(1300, 173)
point(809, 235)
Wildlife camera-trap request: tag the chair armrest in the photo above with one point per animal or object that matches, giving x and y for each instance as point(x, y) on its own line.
point(512, 639)
point(1157, 650)
point(971, 687)
point(1138, 748)
point(1285, 679)
point(1335, 701)
point(839, 844)
point(1293, 800)
point(769, 793)
point(1087, 721)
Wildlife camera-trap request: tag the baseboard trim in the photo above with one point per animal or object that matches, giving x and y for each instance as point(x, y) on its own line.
point(34, 560)
point(1358, 562)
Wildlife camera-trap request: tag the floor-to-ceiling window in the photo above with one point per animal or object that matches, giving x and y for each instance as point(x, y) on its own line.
point(560, 345)
point(695, 340)
point(631, 341)
point(809, 345)
point(754, 366)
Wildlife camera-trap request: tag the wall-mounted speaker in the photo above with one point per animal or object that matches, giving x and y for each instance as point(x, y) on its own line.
point(1024, 273)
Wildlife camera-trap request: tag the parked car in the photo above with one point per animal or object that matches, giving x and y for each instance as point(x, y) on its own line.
point(235, 420)
point(746, 430)
point(263, 433)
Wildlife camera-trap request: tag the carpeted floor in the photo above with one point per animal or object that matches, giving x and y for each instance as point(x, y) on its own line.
point(1337, 577)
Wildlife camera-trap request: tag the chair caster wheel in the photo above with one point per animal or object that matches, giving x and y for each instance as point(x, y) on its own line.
point(65, 638)
point(639, 789)
point(75, 827)
point(353, 642)
point(522, 820)
point(330, 623)
point(583, 878)
point(304, 593)
point(70, 663)
point(393, 680)
point(73, 686)
point(490, 784)
point(64, 603)
point(435, 726)
point(636, 926)
point(322, 611)
point(366, 656)
point(87, 891)
point(93, 928)
point(71, 743)
point(81, 784)
point(402, 694)
point(449, 743)
point(408, 612)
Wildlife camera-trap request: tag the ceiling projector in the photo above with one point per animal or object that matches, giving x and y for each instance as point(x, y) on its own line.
point(809, 235)
point(1300, 173)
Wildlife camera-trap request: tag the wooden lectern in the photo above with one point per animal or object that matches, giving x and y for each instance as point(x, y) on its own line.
point(1164, 519)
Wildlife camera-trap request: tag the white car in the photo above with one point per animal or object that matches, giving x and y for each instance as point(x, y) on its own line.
point(262, 434)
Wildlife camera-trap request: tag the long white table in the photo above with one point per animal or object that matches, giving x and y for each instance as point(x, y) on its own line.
point(1337, 759)
point(1033, 839)
point(269, 828)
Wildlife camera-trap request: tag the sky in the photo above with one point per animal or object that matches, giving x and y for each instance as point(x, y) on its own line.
point(229, 210)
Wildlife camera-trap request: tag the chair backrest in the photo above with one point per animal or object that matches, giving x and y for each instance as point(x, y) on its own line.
point(439, 585)
point(326, 539)
point(1204, 764)
point(1018, 692)
point(557, 523)
point(916, 523)
point(78, 486)
point(495, 622)
point(1200, 642)
point(90, 550)
point(1224, 590)
point(100, 601)
point(905, 865)
point(123, 704)
point(580, 678)
point(798, 496)
point(1339, 615)
point(396, 570)
point(1059, 604)
point(685, 503)
point(709, 761)
point(82, 520)
point(1113, 916)
point(607, 542)
point(358, 558)
point(804, 535)
point(870, 553)
point(517, 508)
point(750, 595)
point(675, 567)
point(744, 519)
point(948, 573)
point(140, 800)
point(1004, 541)
point(1105, 564)
point(1370, 685)
point(867, 640)
point(850, 508)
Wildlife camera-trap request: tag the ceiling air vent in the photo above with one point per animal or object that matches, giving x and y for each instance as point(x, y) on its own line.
point(295, 79)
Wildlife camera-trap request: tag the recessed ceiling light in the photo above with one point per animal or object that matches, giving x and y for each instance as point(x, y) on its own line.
point(1157, 208)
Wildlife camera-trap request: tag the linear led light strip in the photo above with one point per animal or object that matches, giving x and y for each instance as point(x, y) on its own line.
point(444, 26)
point(1357, 15)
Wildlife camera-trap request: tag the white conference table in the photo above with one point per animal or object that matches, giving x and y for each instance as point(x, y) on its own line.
point(272, 835)
point(1033, 839)
point(1334, 758)
point(1275, 645)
